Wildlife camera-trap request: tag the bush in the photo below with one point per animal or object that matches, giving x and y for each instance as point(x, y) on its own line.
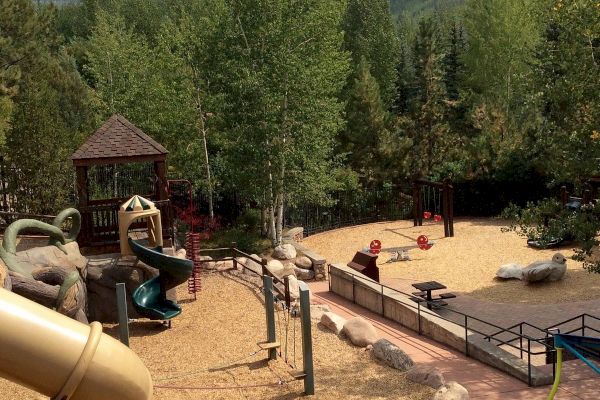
point(249, 221)
point(548, 219)
point(248, 242)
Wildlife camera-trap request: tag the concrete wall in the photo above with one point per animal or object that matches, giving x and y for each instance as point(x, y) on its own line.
point(398, 307)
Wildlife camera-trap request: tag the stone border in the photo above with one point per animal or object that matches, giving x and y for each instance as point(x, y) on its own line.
point(398, 307)
point(319, 263)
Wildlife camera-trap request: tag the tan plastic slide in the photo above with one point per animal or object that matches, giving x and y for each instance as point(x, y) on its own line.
point(65, 359)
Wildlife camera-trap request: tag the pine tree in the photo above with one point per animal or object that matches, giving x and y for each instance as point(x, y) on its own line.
point(366, 124)
point(370, 34)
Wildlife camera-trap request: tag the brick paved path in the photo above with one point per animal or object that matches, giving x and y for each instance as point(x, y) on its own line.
point(482, 381)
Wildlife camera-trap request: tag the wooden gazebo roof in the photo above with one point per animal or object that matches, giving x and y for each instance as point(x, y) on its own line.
point(118, 141)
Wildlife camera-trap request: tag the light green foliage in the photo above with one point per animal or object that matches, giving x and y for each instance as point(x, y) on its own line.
point(148, 85)
point(568, 90)
point(369, 34)
point(282, 74)
point(501, 37)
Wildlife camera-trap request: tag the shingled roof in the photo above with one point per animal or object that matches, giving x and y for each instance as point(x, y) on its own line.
point(118, 141)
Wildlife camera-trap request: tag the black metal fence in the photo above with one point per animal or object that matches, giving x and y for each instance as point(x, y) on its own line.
point(525, 339)
point(352, 208)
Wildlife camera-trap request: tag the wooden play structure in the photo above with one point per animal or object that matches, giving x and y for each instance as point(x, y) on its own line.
point(434, 200)
point(133, 210)
point(115, 163)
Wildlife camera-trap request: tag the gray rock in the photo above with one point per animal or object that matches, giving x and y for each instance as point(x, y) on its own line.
point(317, 311)
point(253, 265)
point(510, 271)
point(451, 391)
point(360, 332)
point(284, 252)
point(392, 355)
point(275, 267)
point(303, 262)
point(426, 375)
point(224, 265)
point(304, 274)
point(333, 322)
point(548, 270)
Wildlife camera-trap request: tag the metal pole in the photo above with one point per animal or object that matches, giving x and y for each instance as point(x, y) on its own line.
point(307, 355)
point(122, 311)
point(270, 313)
point(288, 297)
point(466, 336)
point(419, 317)
point(382, 303)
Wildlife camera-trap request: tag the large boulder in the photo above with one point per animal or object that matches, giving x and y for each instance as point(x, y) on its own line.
point(205, 262)
point(275, 267)
point(303, 262)
point(548, 270)
point(103, 275)
point(304, 274)
point(333, 322)
point(284, 252)
point(52, 256)
point(392, 355)
point(426, 375)
point(317, 311)
point(251, 264)
point(510, 271)
point(451, 391)
point(360, 332)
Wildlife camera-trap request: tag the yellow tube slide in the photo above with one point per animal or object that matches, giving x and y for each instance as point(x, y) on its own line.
point(65, 359)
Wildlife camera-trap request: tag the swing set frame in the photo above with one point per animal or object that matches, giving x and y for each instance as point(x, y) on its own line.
point(446, 195)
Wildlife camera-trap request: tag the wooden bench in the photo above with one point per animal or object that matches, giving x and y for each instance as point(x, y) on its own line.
point(420, 294)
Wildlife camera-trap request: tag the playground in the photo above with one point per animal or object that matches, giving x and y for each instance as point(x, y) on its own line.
point(210, 345)
point(466, 263)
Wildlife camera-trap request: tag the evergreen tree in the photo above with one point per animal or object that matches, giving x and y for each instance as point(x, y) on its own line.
point(366, 124)
point(369, 33)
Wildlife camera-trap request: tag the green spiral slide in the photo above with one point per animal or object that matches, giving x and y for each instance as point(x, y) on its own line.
point(150, 298)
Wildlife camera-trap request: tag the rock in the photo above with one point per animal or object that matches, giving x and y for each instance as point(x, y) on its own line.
point(284, 252)
point(275, 267)
point(288, 269)
point(294, 288)
point(426, 375)
point(317, 311)
point(224, 265)
point(360, 332)
point(369, 347)
point(548, 270)
point(510, 271)
point(102, 277)
point(333, 322)
point(253, 265)
point(392, 355)
point(241, 261)
point(303, 262)
point(181, 253)
point(4, 277)
point(304, 274)
point(451, 391)
point(52, 256)
point(204, 264)
point(296, 234)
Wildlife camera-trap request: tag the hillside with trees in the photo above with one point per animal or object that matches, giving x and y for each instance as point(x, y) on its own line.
point(287, 102)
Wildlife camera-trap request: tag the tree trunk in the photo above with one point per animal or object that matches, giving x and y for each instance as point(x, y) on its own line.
point(203, 133)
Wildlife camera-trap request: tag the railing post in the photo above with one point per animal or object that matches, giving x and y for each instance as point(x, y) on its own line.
point(307, 354)
point(382, 303)
point(466, 336)
point(288, 298)
point(528, 362)
point(419, 318)
point(329, 276)
point(263, 264)
point(122, 311)
point(582, 324)
point(270, 314)
point(521, 340)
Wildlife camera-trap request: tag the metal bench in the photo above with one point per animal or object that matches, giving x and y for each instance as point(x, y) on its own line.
point(447, 296)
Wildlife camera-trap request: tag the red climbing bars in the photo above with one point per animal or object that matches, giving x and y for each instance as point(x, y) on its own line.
point(192, 248)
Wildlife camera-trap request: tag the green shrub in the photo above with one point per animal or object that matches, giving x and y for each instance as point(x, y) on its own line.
point(249, 221)
point(248, 242)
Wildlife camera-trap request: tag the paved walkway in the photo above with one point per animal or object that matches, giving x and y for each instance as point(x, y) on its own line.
point(482, 381)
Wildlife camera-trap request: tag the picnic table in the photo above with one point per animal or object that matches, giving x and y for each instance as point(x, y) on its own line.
point(424, 294)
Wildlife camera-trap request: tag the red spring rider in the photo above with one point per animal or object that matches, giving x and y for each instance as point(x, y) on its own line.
point(375, 247)
point(437, 217)
point(423, 242)
point(427, 214)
